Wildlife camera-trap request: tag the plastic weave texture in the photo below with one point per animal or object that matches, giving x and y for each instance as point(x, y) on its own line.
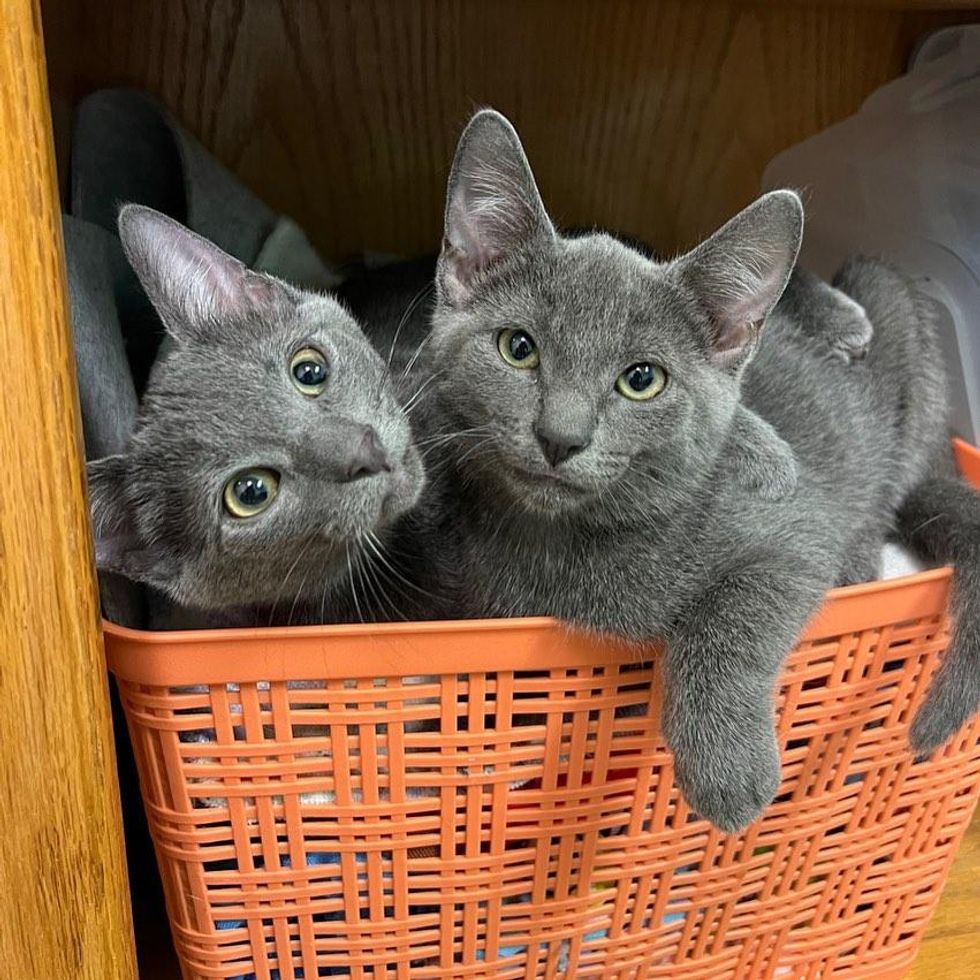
point(495, 799)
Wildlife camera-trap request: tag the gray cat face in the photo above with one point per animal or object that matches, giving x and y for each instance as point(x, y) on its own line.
point(584, 369)
point(269, 442)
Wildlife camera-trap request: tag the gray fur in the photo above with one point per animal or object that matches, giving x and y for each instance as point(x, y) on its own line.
point(646, 532)
point(938, 513)
point(222, 400)
point(829, 314)
point(940, 519)
point(759, 459)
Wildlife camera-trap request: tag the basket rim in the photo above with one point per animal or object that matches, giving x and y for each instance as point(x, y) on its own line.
point(352, 650)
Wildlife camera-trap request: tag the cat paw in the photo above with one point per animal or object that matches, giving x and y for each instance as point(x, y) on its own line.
point(852, 336)
point(731, 790)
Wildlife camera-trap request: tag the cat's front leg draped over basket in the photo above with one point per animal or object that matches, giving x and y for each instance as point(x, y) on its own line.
point(722, 662)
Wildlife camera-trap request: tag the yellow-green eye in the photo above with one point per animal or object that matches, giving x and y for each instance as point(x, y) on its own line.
point(642, 381)
point(518, 349)
point(249, 492)
point(309, 371)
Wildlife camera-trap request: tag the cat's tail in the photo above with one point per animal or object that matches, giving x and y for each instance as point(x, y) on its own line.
point(937, 513)
point(940, 520)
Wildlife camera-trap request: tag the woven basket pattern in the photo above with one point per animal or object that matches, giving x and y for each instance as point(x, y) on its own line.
point(524, 822)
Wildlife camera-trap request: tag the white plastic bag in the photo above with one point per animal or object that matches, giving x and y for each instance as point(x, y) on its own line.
point(900, 179)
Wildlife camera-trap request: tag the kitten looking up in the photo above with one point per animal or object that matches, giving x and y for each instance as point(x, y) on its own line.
point(270, 459)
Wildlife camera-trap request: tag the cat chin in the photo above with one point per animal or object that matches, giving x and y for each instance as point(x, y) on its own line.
point(404, 489)
point(379, 501)
point(544, 493)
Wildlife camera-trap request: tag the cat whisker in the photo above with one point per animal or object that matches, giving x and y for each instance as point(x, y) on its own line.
point(377, 585)
point(414, 400)
point(299, 592)
point(507, 514)
point(353, 587)
point(414, 358)
point(362, 577)
point(379, 579)
point(387, 579)
point(285, 581)
point(376, 545)
point(480, 444)
point(365, 580)
point(437, 446)
point(416, 299)
point(445, 437)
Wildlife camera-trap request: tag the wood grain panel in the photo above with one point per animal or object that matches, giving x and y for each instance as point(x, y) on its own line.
point(65, 907)
point(951, 948)
point(656, 118)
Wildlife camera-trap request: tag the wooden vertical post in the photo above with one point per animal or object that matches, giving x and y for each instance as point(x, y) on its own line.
point(64, 904)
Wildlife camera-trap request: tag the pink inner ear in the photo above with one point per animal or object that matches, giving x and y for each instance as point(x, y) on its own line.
point(466, 236)
point(465, 252)
point(236, 288)
point(260, 289)
point(733, 335)
point(459, 270)
point(204, 279)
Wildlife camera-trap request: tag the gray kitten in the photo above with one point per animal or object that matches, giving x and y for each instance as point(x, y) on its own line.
point(270, 458)
point(585, 403)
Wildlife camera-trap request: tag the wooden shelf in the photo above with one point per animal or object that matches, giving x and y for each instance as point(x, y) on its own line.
point(65, 905)
point(653, 118)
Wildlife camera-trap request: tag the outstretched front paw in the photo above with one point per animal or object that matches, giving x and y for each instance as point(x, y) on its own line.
point(730, 785)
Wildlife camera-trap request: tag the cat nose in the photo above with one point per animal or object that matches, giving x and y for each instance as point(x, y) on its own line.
point(368, 458)
point(557, 447)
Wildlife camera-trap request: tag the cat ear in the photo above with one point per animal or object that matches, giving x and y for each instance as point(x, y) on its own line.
point(739, 273)
point(493, 205)
point(192, 283)
point(118, 546)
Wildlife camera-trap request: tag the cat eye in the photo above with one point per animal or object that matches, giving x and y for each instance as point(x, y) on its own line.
point(309, 371)
point(250, 492)
point(518, 349)
point(642, 381)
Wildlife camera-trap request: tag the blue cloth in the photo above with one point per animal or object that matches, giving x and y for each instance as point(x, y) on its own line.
point(312, 860)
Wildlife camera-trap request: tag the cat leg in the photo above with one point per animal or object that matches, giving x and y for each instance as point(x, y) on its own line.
point(847, 327)
point(828, 314)
point(721, 667)
point(758, 458)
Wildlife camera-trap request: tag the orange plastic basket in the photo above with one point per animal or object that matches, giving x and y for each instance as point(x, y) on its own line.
point(483, 799)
